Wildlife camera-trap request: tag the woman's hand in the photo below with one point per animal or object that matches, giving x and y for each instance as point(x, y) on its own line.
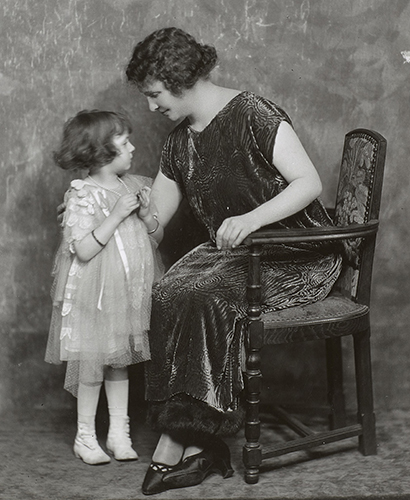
point(60, 213)
point(125, 205)
point(234, 230)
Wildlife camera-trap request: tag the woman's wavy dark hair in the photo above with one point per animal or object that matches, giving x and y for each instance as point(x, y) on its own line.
point(172, 57)
point(87, 141)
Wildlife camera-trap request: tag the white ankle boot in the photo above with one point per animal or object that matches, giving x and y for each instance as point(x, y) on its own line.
point(87, 448)
point(118, 439)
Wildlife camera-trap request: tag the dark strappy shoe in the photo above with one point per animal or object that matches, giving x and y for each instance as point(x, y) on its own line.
point(154, 478)
point(195, 468)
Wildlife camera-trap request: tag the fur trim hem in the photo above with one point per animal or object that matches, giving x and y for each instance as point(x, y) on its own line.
point(185, 417)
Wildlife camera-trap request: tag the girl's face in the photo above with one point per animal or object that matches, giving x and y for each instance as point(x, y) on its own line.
point(122, 162)
point(162, 100)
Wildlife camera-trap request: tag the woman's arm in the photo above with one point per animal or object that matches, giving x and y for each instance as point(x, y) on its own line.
point(166, 198)
point(292, 161)
point(148, 216)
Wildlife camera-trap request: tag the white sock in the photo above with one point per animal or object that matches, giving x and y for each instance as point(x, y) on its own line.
point(87, 402)
point(117, 397)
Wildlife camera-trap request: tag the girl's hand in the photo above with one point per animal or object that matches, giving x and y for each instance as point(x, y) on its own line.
point(144, 197)
point(234, 230)
point(125, 205)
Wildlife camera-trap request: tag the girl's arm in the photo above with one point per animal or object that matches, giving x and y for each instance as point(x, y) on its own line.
point(94, 242)
point(292, 161)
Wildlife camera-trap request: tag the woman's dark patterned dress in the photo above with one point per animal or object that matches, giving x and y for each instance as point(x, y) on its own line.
point(195, 338)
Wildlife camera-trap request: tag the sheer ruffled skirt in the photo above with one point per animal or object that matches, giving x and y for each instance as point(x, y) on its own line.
point(101, 309)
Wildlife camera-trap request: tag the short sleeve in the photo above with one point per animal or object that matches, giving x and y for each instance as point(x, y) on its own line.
point(264, 118)
point(79, 216)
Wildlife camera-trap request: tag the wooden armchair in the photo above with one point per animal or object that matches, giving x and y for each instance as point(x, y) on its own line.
point(344, 312)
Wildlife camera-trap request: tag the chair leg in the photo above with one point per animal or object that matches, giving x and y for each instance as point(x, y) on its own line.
point(366, 417)
point(335, 395)
point(252, 451)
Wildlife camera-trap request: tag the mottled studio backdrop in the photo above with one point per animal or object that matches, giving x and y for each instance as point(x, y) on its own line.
point(333, 66)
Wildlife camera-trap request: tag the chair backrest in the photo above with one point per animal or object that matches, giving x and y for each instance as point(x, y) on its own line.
point(358, 201)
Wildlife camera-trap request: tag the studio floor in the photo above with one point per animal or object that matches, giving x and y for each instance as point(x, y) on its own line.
point(37, 462)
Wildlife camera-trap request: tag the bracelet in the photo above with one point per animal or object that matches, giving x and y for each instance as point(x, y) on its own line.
point(97, 240)
point(156, 227)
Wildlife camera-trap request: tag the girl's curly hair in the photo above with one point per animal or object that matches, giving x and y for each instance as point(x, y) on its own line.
point(87, 141)
point(172, 57)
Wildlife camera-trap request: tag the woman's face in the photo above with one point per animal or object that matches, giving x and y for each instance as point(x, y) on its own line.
point(160, 99)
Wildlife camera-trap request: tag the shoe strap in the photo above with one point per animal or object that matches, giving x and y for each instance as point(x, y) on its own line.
point(161, 467)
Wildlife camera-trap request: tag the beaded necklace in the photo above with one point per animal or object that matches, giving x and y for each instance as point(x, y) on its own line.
point(108, 189)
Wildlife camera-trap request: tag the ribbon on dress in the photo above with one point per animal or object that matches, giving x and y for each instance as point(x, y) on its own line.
point(120, 246)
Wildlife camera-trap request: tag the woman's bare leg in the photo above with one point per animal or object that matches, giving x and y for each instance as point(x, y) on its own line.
point(192, 450)
point(168, 451)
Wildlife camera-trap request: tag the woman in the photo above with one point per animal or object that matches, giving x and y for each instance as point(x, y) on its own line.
point(239, 163)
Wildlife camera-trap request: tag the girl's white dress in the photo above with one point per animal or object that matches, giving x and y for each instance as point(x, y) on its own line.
point(101, 308)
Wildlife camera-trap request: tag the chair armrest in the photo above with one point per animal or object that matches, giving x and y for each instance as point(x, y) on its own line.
point(298, 235)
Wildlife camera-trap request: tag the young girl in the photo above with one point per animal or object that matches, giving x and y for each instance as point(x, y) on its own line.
point(104, 270)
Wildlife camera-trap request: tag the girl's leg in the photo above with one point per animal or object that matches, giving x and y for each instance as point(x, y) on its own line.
point(117, 388)
point(86, 445)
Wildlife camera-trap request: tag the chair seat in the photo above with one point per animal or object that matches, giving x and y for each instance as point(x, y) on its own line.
point(334, 316)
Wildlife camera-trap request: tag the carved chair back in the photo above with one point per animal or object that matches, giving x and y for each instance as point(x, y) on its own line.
point(358, 201)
